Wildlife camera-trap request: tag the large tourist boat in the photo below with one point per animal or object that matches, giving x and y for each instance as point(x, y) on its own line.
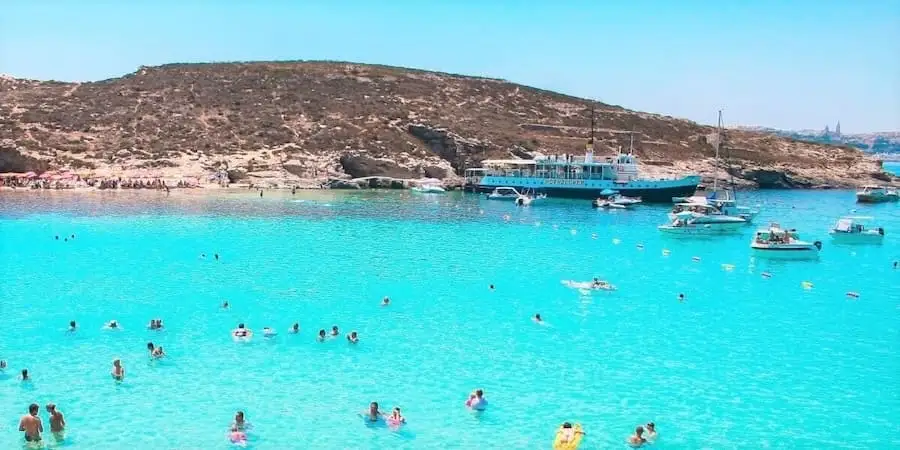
point(587, 176)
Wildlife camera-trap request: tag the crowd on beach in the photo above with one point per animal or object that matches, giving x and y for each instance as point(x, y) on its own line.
point(68, 180)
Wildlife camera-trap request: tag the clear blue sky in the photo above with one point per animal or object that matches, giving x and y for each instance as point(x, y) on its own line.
point(786, 64)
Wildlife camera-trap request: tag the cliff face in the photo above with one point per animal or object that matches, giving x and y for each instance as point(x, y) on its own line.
point(287, 121)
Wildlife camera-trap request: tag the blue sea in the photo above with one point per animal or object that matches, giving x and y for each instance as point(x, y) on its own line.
point(893, 167)
point(745, 361)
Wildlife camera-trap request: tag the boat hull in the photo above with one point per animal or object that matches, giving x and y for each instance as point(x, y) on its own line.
point(786, 251)
point(884, 198)
point(656, 191)
point(857, 238)
point(697, 230)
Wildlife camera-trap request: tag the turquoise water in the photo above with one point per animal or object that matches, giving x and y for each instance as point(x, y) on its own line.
point(893, 167)
point(744, 362)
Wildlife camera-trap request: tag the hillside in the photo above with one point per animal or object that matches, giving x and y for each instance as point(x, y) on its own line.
point(303, 122)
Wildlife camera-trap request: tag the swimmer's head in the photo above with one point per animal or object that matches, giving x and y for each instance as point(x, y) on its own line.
point(353, 334)
point(296, 326)
point(239, 417)
point(397, 410)
point(322, 333)
point(567, 425)
point(537, 317)
point(149, 346)
point(334, 328)
point(2, 364)
point(72, 323)
point(492, 287)
point(51, 407)
point(479, 393)
point(373, 406)
point(24, 374)
point(651, 427)
point(33, 409)
point(117, 362)
point(240, 325)
point(639, 430)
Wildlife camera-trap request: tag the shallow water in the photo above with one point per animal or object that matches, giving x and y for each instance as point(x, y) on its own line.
point(744, 362)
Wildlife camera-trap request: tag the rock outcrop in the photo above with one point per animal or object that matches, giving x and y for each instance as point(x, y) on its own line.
point(288, 122)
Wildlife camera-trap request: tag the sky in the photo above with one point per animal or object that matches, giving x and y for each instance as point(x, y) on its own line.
point(790, 64)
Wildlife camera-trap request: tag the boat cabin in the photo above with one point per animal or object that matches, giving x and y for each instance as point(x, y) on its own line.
point(775, 234)
point(696, 208)
point(622, 168)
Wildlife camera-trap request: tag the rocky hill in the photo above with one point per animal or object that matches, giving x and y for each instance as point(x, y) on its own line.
point(294, 122)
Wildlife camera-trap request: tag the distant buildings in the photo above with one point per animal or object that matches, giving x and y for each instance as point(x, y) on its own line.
point(832, 136)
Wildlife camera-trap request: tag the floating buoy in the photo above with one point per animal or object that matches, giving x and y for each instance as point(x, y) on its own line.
point(807, 285)
point(728, 267)
point(766, 275)
point(852, 294)
point(593, 235)
point(695, 259)
point(666, 252)
point(616, 241)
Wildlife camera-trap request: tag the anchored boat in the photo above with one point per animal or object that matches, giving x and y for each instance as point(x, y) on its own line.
point(853, 230)
point(688, 223)
point(876, 194)
point(778, 242)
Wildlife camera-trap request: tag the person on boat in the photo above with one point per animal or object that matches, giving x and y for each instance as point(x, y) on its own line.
point(57, 420)
point(239, 422)
point(241, 331)
point(568, 433)
point(477, 401)
point(385, 301)
point(118, 372)
point(651, 431)
point(322, 335)
point(352, 337)
point(295, 328)
point(31, 424)
point(637, 439)
point(537, 318)
point(335, 331)
point(72, 326)
point(373, 414)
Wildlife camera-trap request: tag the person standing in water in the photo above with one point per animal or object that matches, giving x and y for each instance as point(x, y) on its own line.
point(477, 401)
point(322, 336)
point(335, 331)
point(57, 420)
point(25, 377)
point(637, 439)
point(239, 421)
point(118, 372)
point(352, 337)
point(31, 424)
point(373, 414)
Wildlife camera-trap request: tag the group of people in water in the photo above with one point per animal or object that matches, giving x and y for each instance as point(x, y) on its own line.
point(33, 428)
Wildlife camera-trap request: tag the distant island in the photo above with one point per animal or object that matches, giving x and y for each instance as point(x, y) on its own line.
point(885, 145)
point(303, 123)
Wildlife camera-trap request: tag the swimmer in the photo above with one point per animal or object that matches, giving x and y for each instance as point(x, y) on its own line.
point(31, 424)
point(25, 375)
point(335, 331)
point(216, 256)
point(352, 337)
point(72, 326)
point(225, 305)
point(2, 365)
point(239, 421)
point(651, 431)
point(269, 332)
point(681, 298)
point(537, 318)
point(117, 372)
point(385, 301)
point(238, 437)
point(637, 439)
point(397, 418)
point(73, 236)
point(151, 348)
point(152, 324)
point(491, 287)
point(112, 325)
point(322, 335)
point(476, 400)
point(295, 328)
point(241, 332)
point(57, 420)
point(568, 433)
point(373, 414)
point(158, 352)
point(896, 264)
point(57, 237)
point(203, 255)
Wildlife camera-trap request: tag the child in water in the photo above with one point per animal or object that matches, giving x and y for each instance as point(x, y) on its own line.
point(396, 418)
point(236, 436)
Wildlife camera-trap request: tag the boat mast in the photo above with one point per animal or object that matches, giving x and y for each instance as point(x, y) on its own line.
point(727, 157)
point(591, 141)
point(718, 144)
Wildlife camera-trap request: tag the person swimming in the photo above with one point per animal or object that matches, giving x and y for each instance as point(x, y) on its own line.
point(352, 337)
point(152, 325)
point(491, 287)
point(25, 376)
point(72, 326)
point(239, 422)
point(2, 365)
point(335, 331)
point(651, 431)
point(117, 372)
point(225, 304)
point(396, 418)
point(568, 433)
point(295, 328)
point(477, 401)
point(637, 439)
point(216, 256)
point(158, 352)
point(31, 425)
point(537, 318)
point(322, 335)
point(373, 414)
point(112, 325)
point(241, 332)
point(681, 297)
point(385, 301)
point(237, 437)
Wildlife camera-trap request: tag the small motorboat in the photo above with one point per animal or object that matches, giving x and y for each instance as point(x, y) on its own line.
point(687, 223)
point(504, 193)
point(778, 242)
point(852, 230)
point(429, 189)
point(877, 194)
point(706, 214)
point(606, 204)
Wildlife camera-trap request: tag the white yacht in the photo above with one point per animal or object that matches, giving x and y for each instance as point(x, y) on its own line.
point(853, 230)
point(776, 242)
point(706, 214)
point(613, 199)
point(725, 199)
point(688, 223)
point(876, 194)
